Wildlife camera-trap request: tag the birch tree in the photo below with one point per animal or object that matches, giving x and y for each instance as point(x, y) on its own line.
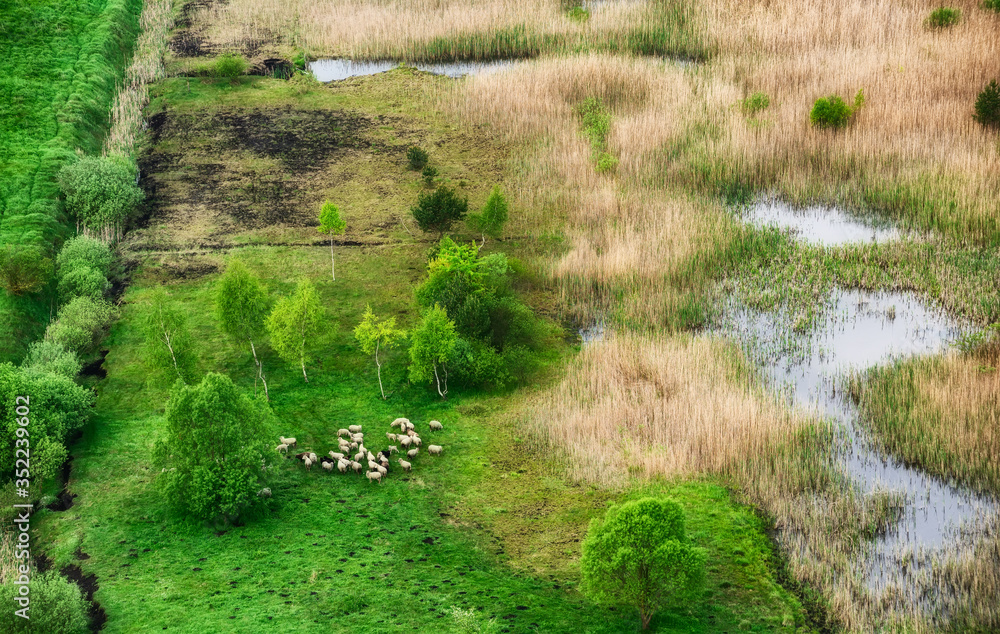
point(331, 224)
point(241, 307)
point(294, 322)
point(374, 335)
point(431, 344)
point(168, 340)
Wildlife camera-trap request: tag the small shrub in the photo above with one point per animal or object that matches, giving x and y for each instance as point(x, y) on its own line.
point(52, 357)
point(755, 103)
point(102, 193)
point(438, 210)
point(470, 622)
point(579, 14)
point(491, 219)
point(430, 173)
point(988, 105)
point(834, 112)
point(57, 605)
point(596, 121)
point(606, 163)
point(84, 251)
point(230, 66)
point(24, 268)
point(84, 281)
point(943, 17)
point(416, 158)
point(992, 5)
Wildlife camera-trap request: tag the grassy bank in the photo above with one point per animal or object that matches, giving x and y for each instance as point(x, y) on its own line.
point(59, 62)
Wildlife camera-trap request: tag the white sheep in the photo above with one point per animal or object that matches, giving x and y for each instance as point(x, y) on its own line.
point(357, 466)
point(342, 465)
point(381, 469)
point(328, 466)
point(343, 432)
point(372, 465)
point(359, 456)
point(374, 476)
point(390, 435)
point(355, 428)
point(282, 448)
point(371, 456)
point(313, 457)
point(336, 456)
point(264, 493)
point(435, 450)
point(307, 462)
point(405, 440)
point(287, 441)
point(352, 446)
point(382, 460)
point(392, 449)
point(412, 453)
point(409, 426)
point(435, 425)
point(404, 464)
point(358, 437)
point(416, 440)
point(400, 422)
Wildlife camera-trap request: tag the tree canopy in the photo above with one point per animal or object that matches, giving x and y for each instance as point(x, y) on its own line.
point(215, 450)
point(294, 322)
point(241, 306)
point(374, 335)
point(639, 556)
point(168, 345)
point(437, 210)
point(331, 224)
point(431, 343)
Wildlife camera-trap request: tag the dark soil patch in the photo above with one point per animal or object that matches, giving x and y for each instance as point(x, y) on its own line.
point(95, 368)
point(88, 586)
point(79, 554)
point(189, 40)
point(64, 500)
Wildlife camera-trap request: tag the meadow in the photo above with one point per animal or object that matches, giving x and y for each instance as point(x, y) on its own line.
point(628, 137)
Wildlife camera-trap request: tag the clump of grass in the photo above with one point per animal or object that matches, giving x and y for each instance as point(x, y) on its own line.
point(755, 103)
point(988, 105)
point(230, 66)
point(943, 17)
point(596, 124)
point(416, 158)
point(993, 5)
point(834, 112)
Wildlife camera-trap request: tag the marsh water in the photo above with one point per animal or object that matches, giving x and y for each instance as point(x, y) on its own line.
point(827, 226)
point(861, 330)
point(326, 70)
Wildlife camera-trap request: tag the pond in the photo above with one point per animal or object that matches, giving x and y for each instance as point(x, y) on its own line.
point(826, 226)
point(327, 70)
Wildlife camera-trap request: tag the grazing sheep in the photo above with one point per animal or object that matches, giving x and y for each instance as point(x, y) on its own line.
point(400, 422)
point(282, 448)
point(371, 456)
point(409, 426)
point(264, 493)
point(313, 457)
point(342, 465)
point(435, 450)
point(405, 440)
point(359, 456)
point(374, 476)
point(308, 463)
point(328, 466)
point(382, 460)
point(372, 465)
point(382, 470)
point(336, 456)
point(287, 441)
point(352, 446)
point(391, 449)
point(390, 435)
point(416, 440)
point(412, 453)
point(404, 464)
point(355, 428)
point(357, 466)
point(435, 425)
point(343, 432)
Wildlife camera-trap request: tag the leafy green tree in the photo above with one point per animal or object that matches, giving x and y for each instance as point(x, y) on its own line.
point(80, 324)
point(230, 66)
point(331, 224)
point(834, 112)
point(58, 407)
point(494, 214)
point(294, 322)
point(52, 357)
point(24, 268)
point(102, 193)
point(82, 281)
point(436, 211)
point(431, 343)
point(168, 344)
point(639, 555)
point(241, 307)
point(57, 606)
point(373, 335)
point(84, 251)
point(987, 108)
point(215, 450)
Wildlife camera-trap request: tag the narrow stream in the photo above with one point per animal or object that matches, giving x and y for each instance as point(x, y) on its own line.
point(862, 330)
point(327, 70)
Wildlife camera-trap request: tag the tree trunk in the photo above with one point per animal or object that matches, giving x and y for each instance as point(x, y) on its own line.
point(260, 372)
point(379, 366)
point(333, 271)
point(302, 359)
point(437, 378)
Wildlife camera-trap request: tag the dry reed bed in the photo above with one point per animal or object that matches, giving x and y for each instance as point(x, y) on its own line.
point(916, 127)
point(394, 29)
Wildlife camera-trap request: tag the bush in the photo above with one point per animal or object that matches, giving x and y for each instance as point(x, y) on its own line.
point(83, 282)
point(214, 449)
point(992, 4)
point(943, 17)
point(438, 210)
point(102, 193)
point(833, 112)
point(988, 105)
point(471, 622)
point(429, 174)
point(84, 251)
point(476, 364)
point(58, 407)
point(639, 556)
point(57, 606)
point(230, 66)
point(755, 103)
point(80, 323)
point(606, 163)
point(416, 158)
point(52, 357)
point(491, 219)
point(24, 268)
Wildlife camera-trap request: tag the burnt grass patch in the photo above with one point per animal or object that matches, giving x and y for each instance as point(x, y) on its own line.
point(255, 166)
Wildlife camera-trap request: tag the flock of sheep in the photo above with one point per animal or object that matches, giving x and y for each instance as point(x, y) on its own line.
point(353, 454)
